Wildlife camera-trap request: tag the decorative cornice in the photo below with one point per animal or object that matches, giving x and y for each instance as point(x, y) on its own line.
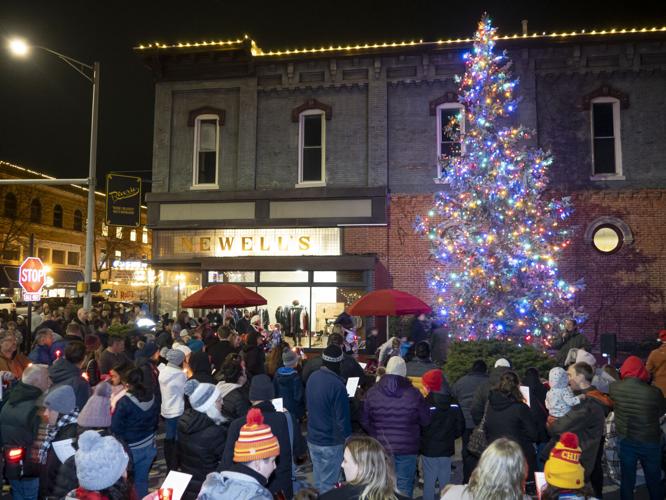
point(605, 91)
point(205, 110)
point(311, 104)
point(447, 97)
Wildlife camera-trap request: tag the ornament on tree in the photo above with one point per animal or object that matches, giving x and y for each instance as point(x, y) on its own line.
point(495, 235)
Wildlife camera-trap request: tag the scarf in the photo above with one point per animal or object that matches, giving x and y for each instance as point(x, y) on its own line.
point(52, 432)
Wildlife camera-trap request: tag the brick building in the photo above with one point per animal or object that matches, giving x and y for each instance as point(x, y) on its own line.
point(300, 172)
point(56, 216)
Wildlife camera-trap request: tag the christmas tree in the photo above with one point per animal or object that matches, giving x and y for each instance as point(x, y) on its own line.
point(495, 235)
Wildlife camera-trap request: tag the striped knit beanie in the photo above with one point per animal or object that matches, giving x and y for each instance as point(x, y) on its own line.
point(256, 441)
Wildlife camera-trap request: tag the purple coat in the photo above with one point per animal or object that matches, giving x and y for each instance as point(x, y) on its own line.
point(393, 413)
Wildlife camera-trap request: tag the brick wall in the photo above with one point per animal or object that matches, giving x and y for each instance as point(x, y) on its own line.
point(625, 292)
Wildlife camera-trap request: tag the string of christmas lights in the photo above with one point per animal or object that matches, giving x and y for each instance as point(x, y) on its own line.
point(495, 236)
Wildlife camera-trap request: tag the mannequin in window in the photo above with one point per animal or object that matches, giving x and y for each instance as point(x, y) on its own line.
point(295, 321)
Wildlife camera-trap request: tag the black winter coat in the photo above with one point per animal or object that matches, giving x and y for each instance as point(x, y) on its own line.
point(235, 402)
point(512, 419)
point(281, 479)
point(438, 439)
point(254, 361)
point(51, 469)
point(62, 372)
point(574, 340)
point(483, 391)
point(19, 421)
point(638, 408)
point(348, 368)
point(464, 390)
point(200, 447)
point(219, 351)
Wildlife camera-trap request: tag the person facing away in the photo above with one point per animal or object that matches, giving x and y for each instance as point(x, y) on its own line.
point(638, 408)
point(172, 380)
point(656, 364)
point(289, 385)
point(565, 476)
point(368, 472)
point(254, 456)
point(560, 398)
point(113, 355)
point(67, 371)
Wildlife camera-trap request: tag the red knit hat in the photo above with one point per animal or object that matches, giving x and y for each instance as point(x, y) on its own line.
point(433, 380)
point(662, 335)
point(634, 367)
point(255, 441)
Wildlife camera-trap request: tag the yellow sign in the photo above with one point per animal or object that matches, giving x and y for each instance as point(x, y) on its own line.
point(250, 242)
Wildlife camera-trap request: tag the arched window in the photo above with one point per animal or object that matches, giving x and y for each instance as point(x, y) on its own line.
point(78, 220)
point(57, 216)
point(10, 205)
point(36, 211)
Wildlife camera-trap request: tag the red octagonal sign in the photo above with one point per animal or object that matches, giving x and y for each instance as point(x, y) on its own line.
point(32, 276)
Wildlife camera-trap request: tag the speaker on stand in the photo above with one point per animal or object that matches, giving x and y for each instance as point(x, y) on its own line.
point(609, 346)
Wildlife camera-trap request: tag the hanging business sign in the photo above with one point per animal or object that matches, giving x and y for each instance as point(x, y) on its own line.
point(248, 242)
point(123, 200)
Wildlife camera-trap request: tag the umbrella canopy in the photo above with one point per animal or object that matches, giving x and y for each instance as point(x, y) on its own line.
point(224, 294)
point(388, 303)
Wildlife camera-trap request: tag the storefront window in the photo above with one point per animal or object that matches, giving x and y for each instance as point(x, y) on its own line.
point(284, 277)
point(231, 276)
point(175, 287)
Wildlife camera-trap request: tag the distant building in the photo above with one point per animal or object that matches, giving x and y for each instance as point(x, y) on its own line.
point(56, 216)
point(300, 172)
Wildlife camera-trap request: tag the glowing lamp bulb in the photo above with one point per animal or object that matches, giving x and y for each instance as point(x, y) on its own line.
point(18, 47)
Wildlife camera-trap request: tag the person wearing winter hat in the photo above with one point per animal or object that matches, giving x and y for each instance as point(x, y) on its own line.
point(254, 456)
point(19, 421)
point(201, 433)
point(261, 394)
point(565, 476)
point(289, 385)
point(146, 359)
point(96, 413)
point(438, 438)
point(477, 408)
point(172, 380)
point(393, 413)
point(98, 453)
point(91, 361)
point(254, 356)
point(656, 364)
point(61, 413)
point(601, 380)
point(638, 408)
point(503, 362)
point(329, 422)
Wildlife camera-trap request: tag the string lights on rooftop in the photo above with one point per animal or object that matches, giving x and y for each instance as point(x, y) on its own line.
point(256, 51)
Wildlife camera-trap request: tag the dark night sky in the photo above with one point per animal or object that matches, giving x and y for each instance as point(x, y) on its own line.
point(45, 106)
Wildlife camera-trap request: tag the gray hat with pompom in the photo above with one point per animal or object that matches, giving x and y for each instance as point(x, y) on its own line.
point(100, 461)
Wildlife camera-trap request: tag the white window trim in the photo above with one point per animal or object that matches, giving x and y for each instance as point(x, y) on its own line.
point(195, 156)
point(301, 139)
point(618, 175)
point(438, 114)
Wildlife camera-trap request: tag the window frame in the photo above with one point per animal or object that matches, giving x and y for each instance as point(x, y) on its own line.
point(195, 156)
point(133, 235)
point(77, 220)
point(301, 139)
point(62, 216)
point(36, 209)
point(440, 126)
point(10, 208)
point(617, 139)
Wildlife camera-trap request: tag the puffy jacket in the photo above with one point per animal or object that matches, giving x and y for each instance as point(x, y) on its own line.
point(463, 391)
point(281, 479)
point(19, 421)
point(172, 387)
point(447, 424)
point(393, 413)
point(235, 403)
point(482, 392)
point(656, 365)
point(135, 421)
point(62, 372)
point(329, 421)
point(638, 407)
point(512, 419)
point(238, 482)
point(587, 421)
point(200, 446)
point(289, 387)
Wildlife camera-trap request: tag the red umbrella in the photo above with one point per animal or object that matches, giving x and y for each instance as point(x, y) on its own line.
point(388, 303)
point(225, 294)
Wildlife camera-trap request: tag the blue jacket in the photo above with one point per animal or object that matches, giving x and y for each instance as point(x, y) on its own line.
point(329, 421)
point(41, 355)
point(135, 421)
point(289, 387)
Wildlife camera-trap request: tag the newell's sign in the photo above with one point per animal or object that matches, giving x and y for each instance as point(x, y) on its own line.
point(123, 200)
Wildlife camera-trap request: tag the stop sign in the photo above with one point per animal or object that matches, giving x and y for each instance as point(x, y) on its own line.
point(32, 275)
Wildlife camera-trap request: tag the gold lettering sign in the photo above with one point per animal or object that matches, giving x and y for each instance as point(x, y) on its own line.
point(251, 242)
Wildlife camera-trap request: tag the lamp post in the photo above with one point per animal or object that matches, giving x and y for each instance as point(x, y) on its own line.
point(179, 278)
point(21, 48)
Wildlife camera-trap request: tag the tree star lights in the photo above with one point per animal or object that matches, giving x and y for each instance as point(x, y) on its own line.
point(496, 238)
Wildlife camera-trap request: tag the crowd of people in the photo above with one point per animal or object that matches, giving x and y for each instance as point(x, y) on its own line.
point(246, 414)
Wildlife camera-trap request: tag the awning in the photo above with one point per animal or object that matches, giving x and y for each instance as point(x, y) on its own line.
point(61, 277)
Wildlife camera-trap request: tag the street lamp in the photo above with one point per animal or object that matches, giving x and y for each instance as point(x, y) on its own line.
point(179, 278)
point(21, 48)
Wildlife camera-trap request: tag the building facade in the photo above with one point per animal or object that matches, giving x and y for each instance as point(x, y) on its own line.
point(56, 218)
point(300, 173)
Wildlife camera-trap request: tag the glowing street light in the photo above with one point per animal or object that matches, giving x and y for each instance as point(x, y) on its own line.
point(18, 47)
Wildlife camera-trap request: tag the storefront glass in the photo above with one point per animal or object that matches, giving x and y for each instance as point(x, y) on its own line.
point(174, 287)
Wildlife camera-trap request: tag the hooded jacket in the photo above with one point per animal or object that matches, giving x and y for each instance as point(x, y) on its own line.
point(511, 419)
point(329, 421)
point(135, 421)
point(237, 482)
point(235, 403)
point(172, 387)
point(62, 372)
point(638, 406)
point(200, 446)
point(447, 424)
point(393, 413)
point(289, 387)
point(656, 365)
point(281, 479)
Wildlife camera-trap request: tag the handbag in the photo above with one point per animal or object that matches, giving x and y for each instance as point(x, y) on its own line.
point(477, 439)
